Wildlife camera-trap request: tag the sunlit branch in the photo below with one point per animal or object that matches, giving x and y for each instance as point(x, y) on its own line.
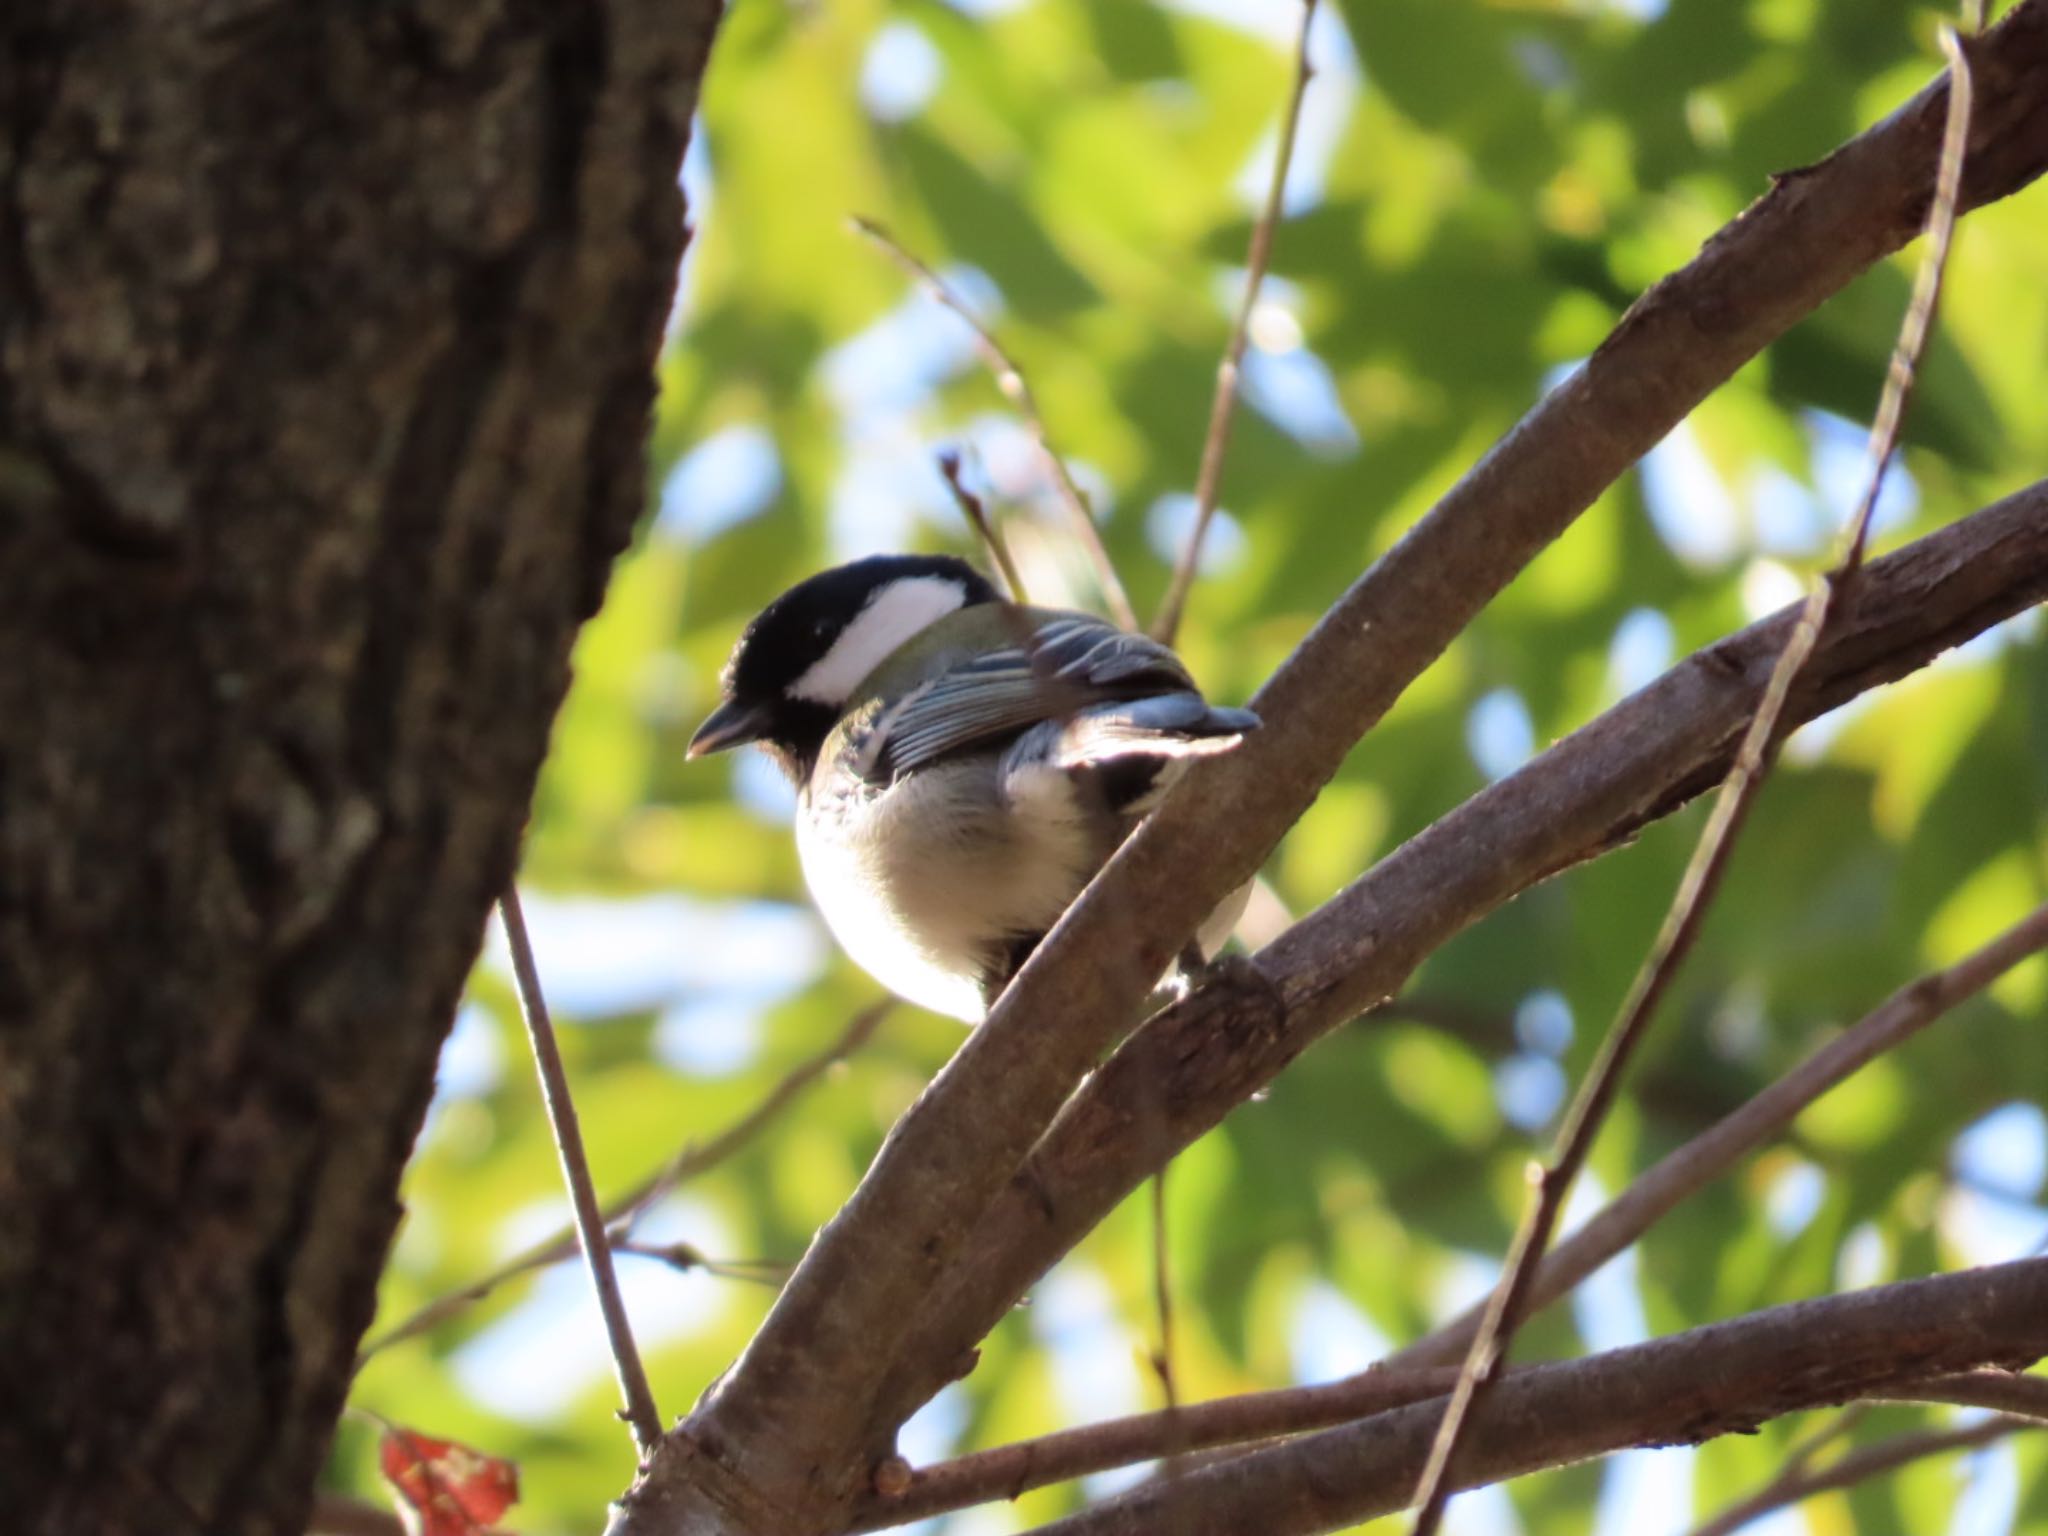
point(873, 1318)
point(687, 1164)
point(1591, 792)
point(641, 1415)
point(1702, 877)
point(1223, 405)
point(1858, 1466)
point(1683, 1172)
point(1685, 1388)
point(1010, 1470)
point(984, 527)
point(1017, 390)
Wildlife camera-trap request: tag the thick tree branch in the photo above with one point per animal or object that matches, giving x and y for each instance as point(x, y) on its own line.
point(798, 1413)
point(1010, 1470)
point(1721, 1379)
point(1641, 760)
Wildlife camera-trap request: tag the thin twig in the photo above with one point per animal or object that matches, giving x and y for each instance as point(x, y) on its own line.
point(1859, 1466)
point(1223, 405)
point(1162, 1294)
point(1684, 1388)
point(2008, 1392)
point(687, 1164)
point(1709, 1155)
point(1905, 360)
point(984, 526)
point(687, 1257)
point(1008, 1471)
point(1687, 1169)
point(1017, 390)
point(1710, 858)
point(340, 1514)
point(641, 1415)
point(1808, 1448)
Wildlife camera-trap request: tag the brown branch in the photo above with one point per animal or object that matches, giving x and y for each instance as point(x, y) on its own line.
point(1704, 872)
point(1009, 1471)
point(1858, 1466)
point(641, 1416)
point(2006, 1392)
point(686, 1258)
point(340, 1514)
point(1679, 1390)
point(1693, 1166)
point(1223, 406)
point(1162, 1295)
point(983, 525)
point(687, 1164)
point(1017, 390)
point(1641, 760)
point(802, 1411)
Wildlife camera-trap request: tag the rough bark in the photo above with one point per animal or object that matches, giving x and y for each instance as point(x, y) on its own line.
point(326, 337)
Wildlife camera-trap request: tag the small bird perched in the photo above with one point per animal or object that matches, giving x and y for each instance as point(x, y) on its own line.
point(963, 764)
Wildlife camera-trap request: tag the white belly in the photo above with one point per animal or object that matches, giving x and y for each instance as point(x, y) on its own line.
point(988, 868)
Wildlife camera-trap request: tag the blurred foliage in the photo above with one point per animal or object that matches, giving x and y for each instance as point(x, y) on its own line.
point(1482, 189)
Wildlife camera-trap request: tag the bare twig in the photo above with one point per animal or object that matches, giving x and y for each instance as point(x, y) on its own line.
point(1685, 1388)
point(1223, 405)
point(1717, 841)
point(2007, 1392)
point(1791, 1486)
point(1162, 1295)
point(983, 525)
point(339, 1514)
point(641, 1415)
point(685, 1257)
point(1017, 390)
point(1691, 1167)
point(687, 1164)
point(1838, 1426)
point(1011, 1470)
point(1905, 360)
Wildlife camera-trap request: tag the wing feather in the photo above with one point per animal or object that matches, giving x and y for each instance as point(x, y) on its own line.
point(1063, 666)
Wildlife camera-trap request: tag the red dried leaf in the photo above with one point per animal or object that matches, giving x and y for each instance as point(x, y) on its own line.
point(445, 1489)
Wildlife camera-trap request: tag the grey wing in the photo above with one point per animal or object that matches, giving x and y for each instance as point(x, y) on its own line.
point(1062, 667)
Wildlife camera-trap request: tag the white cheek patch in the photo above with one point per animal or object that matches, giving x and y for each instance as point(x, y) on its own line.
point(896, 612)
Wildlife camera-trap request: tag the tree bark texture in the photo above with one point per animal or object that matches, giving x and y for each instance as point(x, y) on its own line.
point(326, 345)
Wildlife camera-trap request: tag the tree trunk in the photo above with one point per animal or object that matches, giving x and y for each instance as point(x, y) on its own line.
point(326, 337)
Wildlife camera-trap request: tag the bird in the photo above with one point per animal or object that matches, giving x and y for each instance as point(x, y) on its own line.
point(963, 764)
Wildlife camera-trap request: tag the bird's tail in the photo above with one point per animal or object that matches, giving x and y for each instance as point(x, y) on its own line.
point(1166, 725)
